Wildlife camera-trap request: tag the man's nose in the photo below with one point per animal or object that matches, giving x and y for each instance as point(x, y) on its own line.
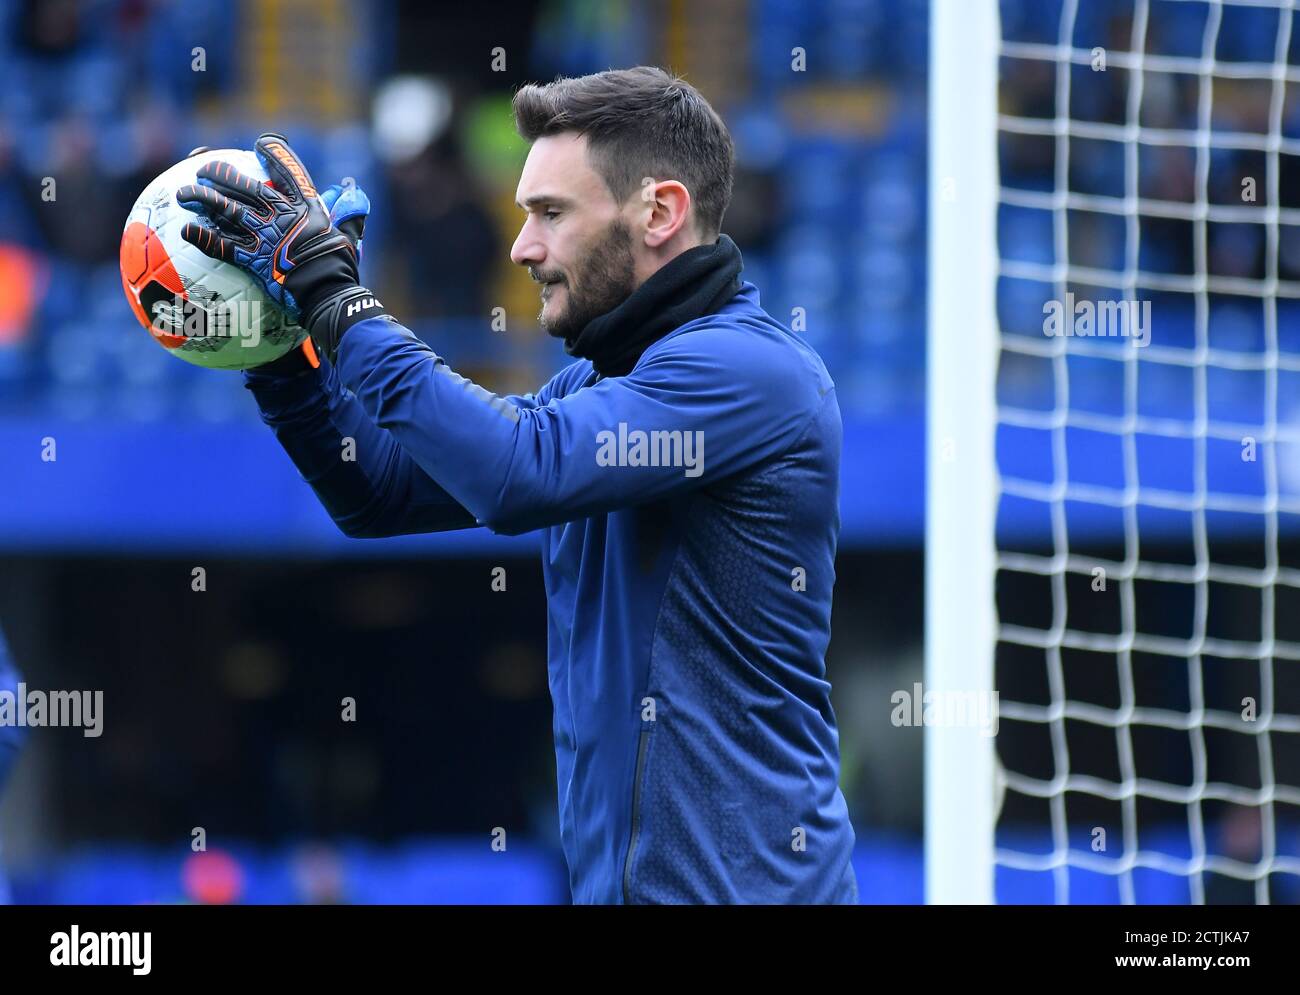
point(527, 250)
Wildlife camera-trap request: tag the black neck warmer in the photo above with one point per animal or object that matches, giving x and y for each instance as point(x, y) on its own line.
point(695, 283)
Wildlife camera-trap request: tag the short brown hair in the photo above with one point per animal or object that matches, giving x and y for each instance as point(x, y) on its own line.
point(639, 122)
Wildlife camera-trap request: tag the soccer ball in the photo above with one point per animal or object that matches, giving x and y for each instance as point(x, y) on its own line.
point(199, 309)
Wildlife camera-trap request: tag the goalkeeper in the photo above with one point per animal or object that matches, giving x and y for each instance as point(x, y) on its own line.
point(684, 471)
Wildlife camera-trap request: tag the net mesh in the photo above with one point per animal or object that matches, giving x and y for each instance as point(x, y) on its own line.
point(1148, 662)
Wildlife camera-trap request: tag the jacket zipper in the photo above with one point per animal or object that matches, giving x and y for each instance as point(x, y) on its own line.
point(636, 816)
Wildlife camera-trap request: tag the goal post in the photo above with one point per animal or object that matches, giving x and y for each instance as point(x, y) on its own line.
point(1113, 464)
point(961, 488)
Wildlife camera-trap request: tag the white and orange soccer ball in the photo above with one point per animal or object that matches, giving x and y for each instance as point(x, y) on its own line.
point(199, 309)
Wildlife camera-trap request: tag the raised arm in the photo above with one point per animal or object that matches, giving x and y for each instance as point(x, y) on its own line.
point(701, 405)
point(367, 483)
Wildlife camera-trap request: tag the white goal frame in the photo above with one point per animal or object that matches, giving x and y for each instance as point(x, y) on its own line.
point(963, 780)
point(961, 469)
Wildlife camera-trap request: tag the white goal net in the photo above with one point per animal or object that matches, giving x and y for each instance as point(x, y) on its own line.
point(1114, 431)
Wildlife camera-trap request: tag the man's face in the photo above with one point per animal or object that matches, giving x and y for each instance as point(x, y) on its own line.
point(575, 241)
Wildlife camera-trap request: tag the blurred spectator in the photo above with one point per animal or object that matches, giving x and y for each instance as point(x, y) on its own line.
point(78, 213)
point(449, 244)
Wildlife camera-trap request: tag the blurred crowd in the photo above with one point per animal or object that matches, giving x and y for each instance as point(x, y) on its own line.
point(826, 106)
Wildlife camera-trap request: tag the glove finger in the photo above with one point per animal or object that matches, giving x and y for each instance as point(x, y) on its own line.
point(287, 172)
point(354, 228)
point(209, 241)
point(225, 178)
point(351, 206)
point(210, 202)
point(330, 194)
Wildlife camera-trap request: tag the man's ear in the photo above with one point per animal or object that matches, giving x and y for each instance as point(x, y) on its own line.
point(669, 204)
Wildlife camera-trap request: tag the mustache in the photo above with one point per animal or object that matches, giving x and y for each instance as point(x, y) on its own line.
point(541, 277)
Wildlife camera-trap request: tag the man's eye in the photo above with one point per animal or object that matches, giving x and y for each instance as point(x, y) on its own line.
point(551, 215)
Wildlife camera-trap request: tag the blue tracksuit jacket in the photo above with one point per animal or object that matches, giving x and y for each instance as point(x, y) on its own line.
point(689, 605)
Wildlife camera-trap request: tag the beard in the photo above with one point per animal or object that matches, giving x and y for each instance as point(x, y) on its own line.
point(603, 280)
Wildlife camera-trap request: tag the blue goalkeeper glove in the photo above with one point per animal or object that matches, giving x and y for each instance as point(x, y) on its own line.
point(284, 234)
point(349, 207)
